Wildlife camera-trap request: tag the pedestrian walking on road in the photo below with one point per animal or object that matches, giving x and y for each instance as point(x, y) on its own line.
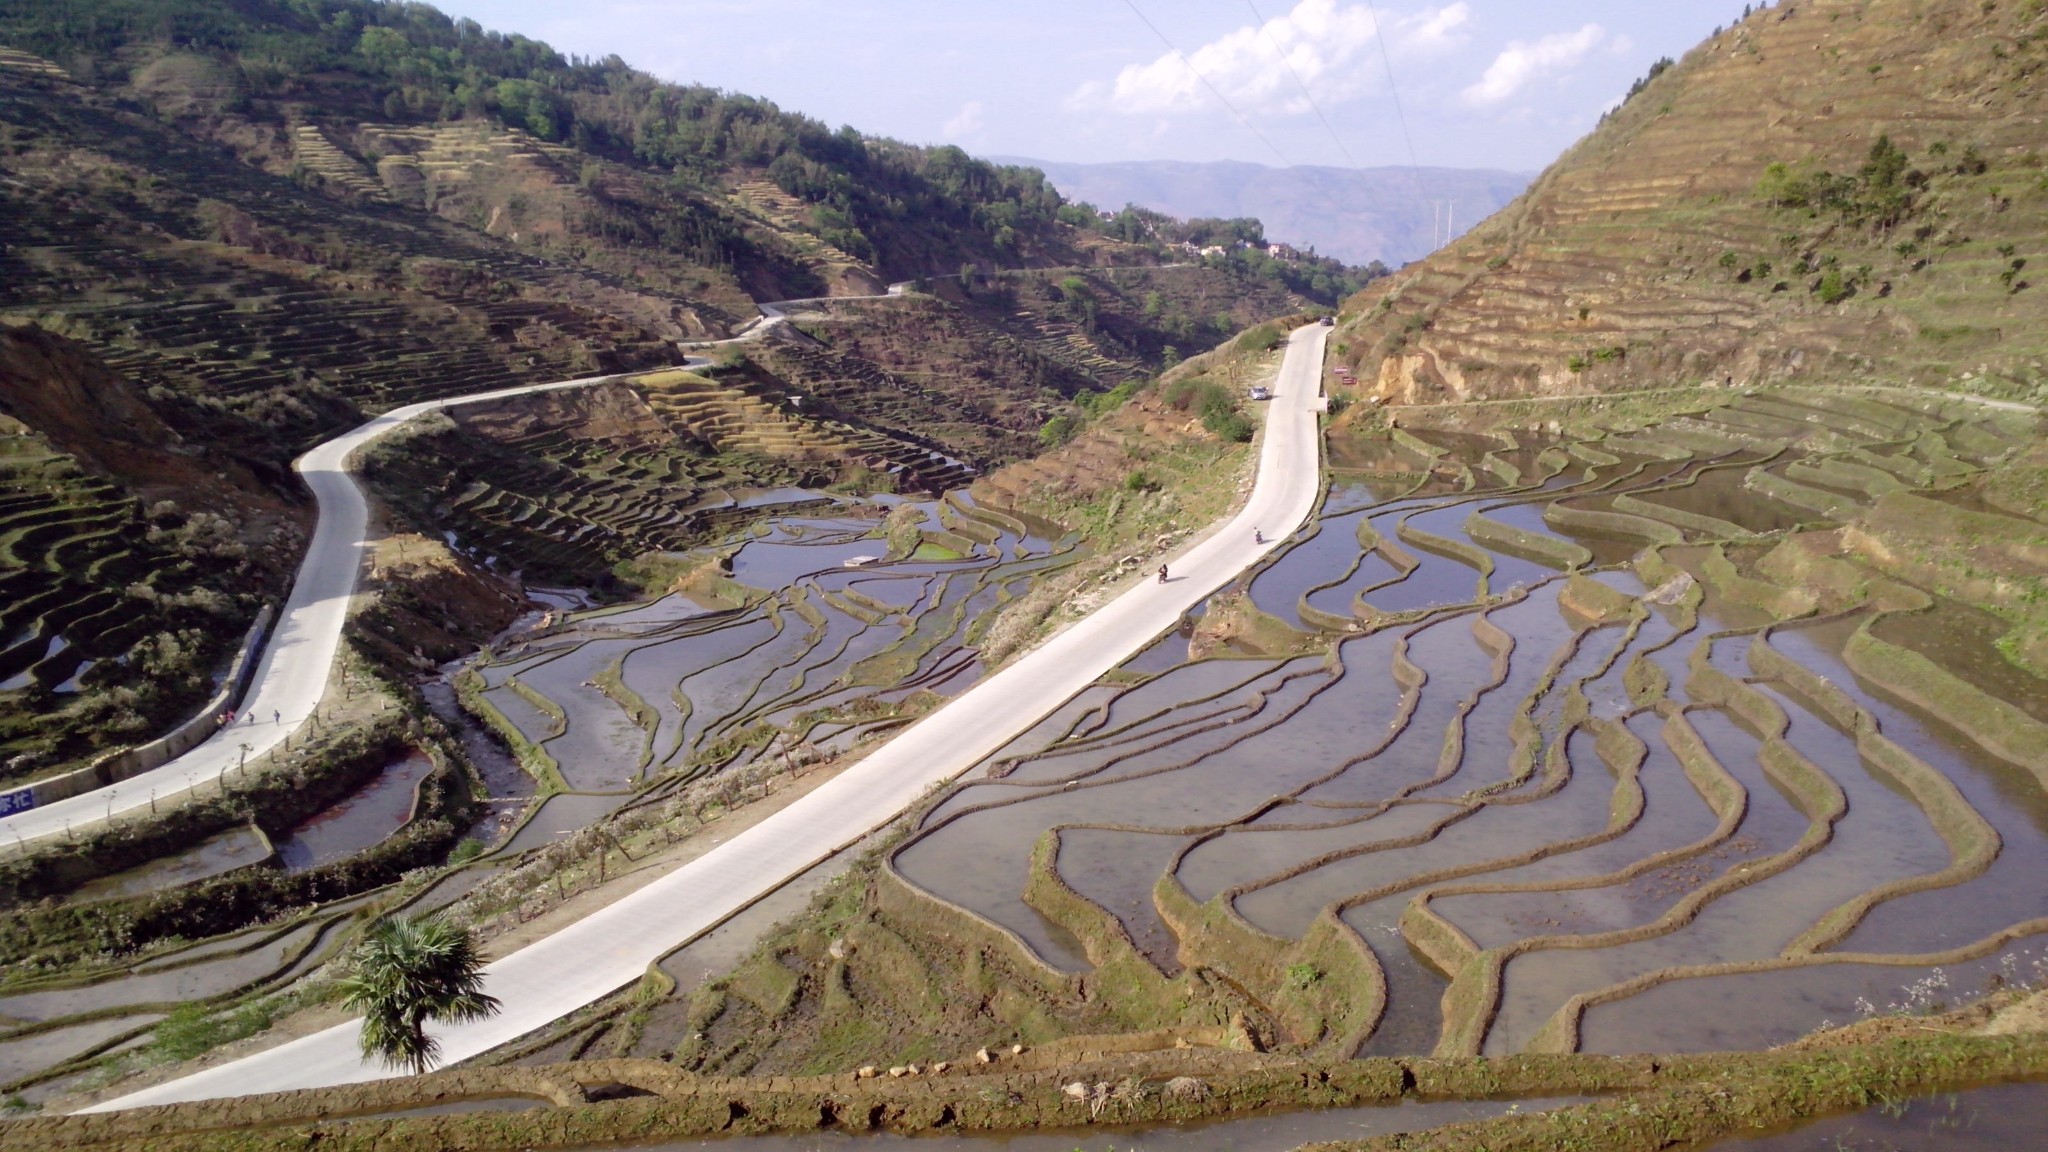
point(276, 717)
point(1162, 573)
point(1258, 537)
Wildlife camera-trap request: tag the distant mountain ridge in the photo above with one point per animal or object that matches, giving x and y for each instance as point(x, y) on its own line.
point(1355, 214)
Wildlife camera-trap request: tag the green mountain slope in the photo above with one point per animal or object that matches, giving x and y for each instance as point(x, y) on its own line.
point(253, 223)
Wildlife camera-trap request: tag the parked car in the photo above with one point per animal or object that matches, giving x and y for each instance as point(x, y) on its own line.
point(1261, 392)
point(1327, 321)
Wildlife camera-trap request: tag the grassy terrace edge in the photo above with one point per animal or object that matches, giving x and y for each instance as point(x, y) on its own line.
point(1642, 1102)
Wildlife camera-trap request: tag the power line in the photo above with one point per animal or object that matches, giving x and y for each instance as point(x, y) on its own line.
point(1379, 34)
point(1299, 83)
point(1182, 57)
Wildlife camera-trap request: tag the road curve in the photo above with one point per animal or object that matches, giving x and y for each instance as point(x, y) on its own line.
point(300, 651)
point(293, 674)
point(612, 947)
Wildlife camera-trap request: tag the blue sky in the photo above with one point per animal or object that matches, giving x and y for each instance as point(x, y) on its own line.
point(1484, 83)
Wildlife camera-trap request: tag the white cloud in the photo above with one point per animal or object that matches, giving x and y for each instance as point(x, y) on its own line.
point(1521, 64)
point(964, 123)
point(1328, 45)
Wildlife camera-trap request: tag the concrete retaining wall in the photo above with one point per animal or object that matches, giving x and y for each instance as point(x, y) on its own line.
point(117, 766)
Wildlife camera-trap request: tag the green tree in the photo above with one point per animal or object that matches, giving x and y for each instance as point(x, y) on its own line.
point(406, 973)
point(1058, 431)
point(1832, 289)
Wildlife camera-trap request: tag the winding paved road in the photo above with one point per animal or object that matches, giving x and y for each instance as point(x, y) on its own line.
point(613, 947)
point(300, 653)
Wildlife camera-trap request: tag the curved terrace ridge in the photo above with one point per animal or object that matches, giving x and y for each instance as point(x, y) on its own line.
point(613, 947)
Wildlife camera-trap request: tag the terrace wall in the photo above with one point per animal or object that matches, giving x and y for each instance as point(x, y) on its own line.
point(117, 766)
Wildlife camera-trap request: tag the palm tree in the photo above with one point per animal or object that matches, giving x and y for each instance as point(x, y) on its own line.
point(406, 973)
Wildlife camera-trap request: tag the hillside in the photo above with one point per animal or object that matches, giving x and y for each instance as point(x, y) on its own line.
point(1357, 215)
point(1898, 239)
point(228, 230)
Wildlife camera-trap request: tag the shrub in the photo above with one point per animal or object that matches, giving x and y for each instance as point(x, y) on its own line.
point(1577, 364)
point(1228, 426)
point(1199, 395)
point(1058, 431)
point(1303, 975)
point(1260, 339)
point(1833, 288)
point(1097, 403)
point(1881, 193)
point(195, 1029)
point(1141, 481)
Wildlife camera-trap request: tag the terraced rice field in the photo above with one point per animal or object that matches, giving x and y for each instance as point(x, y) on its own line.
point(631, 705)
point(825, 655)
point(1602, 746)
point(86, 576)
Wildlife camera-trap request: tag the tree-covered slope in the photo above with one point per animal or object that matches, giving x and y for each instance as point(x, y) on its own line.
point(277, 62)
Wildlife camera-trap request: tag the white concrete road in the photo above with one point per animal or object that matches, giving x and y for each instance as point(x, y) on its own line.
point(296, 661)
point(612, 947)
point(299, 653)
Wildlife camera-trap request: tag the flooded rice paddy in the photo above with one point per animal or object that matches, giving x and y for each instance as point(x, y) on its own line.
point(1526, 727)
point(1574, 772)
point(824, 653)
point(1993, 1118)
point(633, 703)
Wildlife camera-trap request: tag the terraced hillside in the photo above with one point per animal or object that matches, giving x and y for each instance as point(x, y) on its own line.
point(977, 369)
point(1564, 728)
point(567, 486)
point(91, 580)
point(261, 308)
point(644, 724)
point(260, 254)
point(121, 592)
point(1900, 241)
